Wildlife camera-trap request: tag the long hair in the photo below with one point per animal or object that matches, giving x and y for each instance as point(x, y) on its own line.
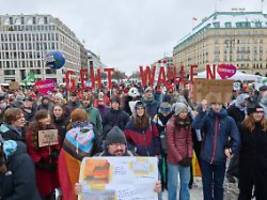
point(141, 122)
point(249, 123)
point(53, 117)
point(35, 126)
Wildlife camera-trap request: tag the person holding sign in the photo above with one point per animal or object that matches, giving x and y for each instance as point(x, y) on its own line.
point(217, 126)
point(43, 147)
point(116, 145)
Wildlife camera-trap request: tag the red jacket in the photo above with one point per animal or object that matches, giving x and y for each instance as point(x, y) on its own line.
point(179, 142)
point(46, 180)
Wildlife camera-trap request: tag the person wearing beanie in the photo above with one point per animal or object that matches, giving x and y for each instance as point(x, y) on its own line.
point(115, 117)
point(150, 103)
point(238, 112)
point(179, 152)
point(116, 144)
point(45, 104)
point(160, 119)
point(218, 128)
point(142, 133)
point(253, 155)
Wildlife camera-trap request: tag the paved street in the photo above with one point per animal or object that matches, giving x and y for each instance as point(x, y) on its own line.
point(231, 191)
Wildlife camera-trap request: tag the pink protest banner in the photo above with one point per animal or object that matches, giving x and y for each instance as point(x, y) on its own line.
point(45, 86)
point(226, 70)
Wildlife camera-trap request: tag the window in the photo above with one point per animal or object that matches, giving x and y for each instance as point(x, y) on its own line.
point(9, 72)
point(258, 24)
point(228, 25)
point(45, 20)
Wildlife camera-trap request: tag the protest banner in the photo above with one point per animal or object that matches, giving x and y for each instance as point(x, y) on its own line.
point(47, 137)
point(45, 86)
point(14, 85)
point(124, 178)
point(219, 90)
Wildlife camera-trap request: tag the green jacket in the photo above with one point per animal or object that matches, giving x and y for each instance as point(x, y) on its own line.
point(95, 118)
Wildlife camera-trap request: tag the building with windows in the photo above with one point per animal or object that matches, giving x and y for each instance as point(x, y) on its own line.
point(26, 39)
point(239, 38)
point(94, 60)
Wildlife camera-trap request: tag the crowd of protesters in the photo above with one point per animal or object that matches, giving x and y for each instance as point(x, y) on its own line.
point(161, 122)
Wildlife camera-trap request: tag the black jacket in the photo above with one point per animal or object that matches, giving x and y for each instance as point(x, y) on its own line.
point(115, 118)
point(61, 125)
point(10, 133)
point(237, 114)
point(253, 149)
point(18, 183)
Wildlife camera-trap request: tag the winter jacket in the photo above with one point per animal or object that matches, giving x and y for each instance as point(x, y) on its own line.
point(151, 107)
point(46, 161)
point(237, 114)
point(18, 183)
point(95, 119)
point(179, 142)
point(9, 132)
point(253, 148)
point(72, 106)
point(115, 118)
point(217, 128)
point(103, 110)
point(61, 125)
point(143, 142)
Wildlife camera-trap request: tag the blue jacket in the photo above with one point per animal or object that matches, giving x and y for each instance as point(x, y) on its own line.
point(217, 128)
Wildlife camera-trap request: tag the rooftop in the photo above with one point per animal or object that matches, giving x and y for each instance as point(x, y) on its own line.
point(228, 20)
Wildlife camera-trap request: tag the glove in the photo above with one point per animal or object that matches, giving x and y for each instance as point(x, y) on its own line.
point(186, 162)
point(44, 165)
point(54, 155)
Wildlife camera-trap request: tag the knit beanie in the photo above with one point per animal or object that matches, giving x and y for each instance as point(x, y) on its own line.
point(180, 107)
point(254, 108)
point(115, 135)
point(165, 107)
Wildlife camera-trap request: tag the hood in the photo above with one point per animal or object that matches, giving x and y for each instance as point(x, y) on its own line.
point(7, 127)
point(12, 148)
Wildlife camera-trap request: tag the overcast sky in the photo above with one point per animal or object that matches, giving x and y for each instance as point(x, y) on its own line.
point(128, 33)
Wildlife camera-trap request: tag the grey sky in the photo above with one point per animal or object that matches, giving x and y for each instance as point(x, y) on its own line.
point(127, 33)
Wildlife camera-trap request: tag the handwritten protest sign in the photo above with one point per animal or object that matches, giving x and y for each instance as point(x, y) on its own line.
point(212, 90)
point(13, 85)
point(47, 137)
point(124, 178)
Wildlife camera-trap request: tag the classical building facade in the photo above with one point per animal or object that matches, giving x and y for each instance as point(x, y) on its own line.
point(239, 38)
point(26, 39)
